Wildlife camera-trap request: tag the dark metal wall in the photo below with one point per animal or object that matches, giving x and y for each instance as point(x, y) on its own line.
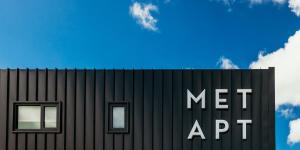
point(159, 119)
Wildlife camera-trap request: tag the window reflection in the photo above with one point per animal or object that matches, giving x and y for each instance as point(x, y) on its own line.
point(50, 117)
point(118, 117)
point(29, 117)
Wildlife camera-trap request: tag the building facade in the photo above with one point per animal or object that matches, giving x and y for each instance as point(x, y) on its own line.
point(45, 109)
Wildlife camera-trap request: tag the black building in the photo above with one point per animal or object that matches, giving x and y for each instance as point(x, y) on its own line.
point(137, 109)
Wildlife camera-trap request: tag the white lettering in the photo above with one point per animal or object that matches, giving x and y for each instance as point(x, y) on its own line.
point(219, 130)
point(244, 93)
point(190, 96)
point(244, 124)
point(221, 100)
point(196, 131)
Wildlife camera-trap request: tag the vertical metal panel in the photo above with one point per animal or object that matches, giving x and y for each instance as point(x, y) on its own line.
point(246, 113)
point(197, 110)
point(159, 118)
point(109, 96)
point(99, 111)
point(148, 110)
point(167, 110)
point(61, 96)
point(70, 110)
point(157, 110)
point(4, 108)
point(22, 96)
point(236, 111)
point(271, 103)
point(264, 111)
point(206, 123)
point(89, 110)
point(138, 110)
point(80, 110)
point(256, 116)
point(226, 115)
point(13, 88)
point(51, 96)
point(216, 84)
point(118, 96)
point(177, 110)
point(41, 96)
point(187, 114)
point(32, 93)
point(128, 96)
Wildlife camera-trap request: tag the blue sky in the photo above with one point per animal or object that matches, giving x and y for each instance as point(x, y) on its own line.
point(187, 34)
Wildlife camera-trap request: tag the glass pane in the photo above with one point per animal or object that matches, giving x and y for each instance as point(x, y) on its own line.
point(50, 117)
point(29, 117)
point(118, 117)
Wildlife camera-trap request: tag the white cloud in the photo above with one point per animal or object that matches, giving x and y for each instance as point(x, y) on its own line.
point(256, 1)
point(287, 113)
point(287, 70)
point(286, 61)
point(142, 13)
point(226, 63)
point(267, 1)
point(279, 1)
point(226, 2)
point(295, 6)
point(294, 136)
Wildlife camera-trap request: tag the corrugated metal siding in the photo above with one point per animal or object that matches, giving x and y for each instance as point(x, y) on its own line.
point(159, 119)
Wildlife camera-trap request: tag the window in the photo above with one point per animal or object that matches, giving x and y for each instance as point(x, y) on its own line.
point(36, 117)
point(29, 117)
point(50, 117)
point(117, 118)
